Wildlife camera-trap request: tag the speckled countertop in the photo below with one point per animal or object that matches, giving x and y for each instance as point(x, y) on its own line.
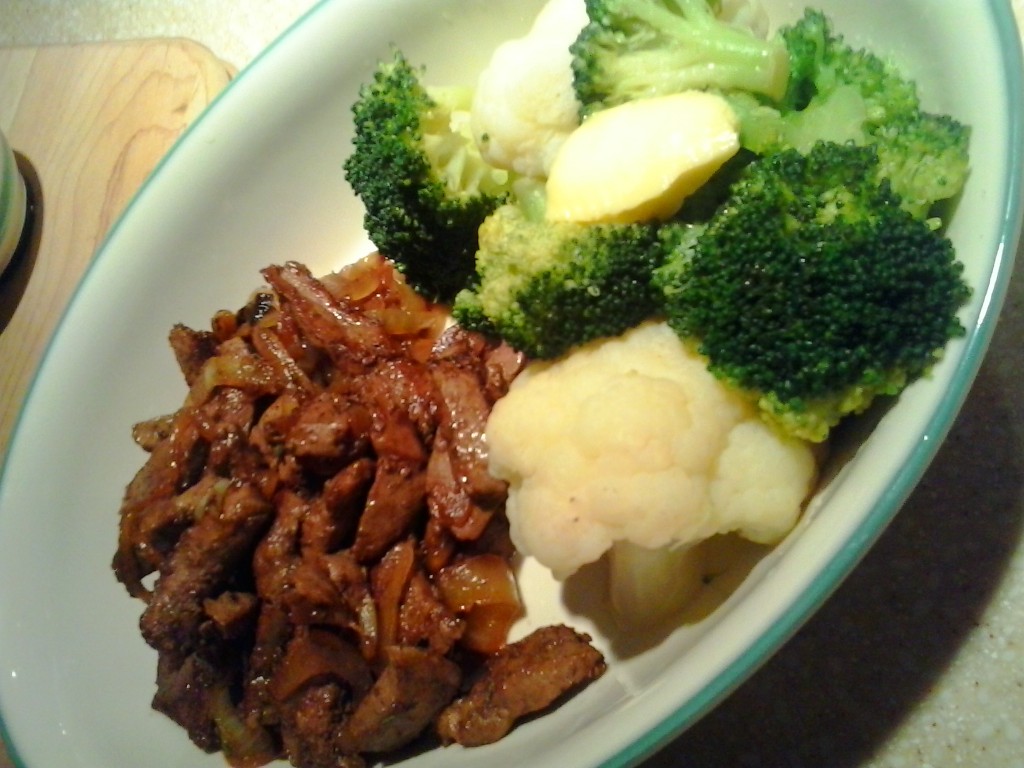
point(918, 660)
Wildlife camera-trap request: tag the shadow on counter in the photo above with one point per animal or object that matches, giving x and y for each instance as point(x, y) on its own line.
point(842, 686)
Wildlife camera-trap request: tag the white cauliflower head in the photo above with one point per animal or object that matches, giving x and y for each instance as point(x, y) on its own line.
point(524, 104)
point(631, 439)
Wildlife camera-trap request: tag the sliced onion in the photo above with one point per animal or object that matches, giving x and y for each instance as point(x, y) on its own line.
point(482, 589)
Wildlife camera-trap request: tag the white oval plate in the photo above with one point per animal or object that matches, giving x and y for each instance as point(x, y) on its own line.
point(258, 180)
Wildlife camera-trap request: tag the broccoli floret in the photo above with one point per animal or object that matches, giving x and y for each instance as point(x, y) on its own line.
point(821, 60)
point(633, 49)
point(813, 290)
point(545, 287)
point(421, 179)
point(925, 158)
point(839, 93)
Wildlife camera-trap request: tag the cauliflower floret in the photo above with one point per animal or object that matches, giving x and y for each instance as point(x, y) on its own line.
point(631, 439)
point(524, 104)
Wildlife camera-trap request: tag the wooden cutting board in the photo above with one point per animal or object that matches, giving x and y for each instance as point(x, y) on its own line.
point(90, 122)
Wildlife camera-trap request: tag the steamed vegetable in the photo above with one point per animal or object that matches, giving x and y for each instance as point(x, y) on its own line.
point(813, 291)
point(524, 105)
point(638, 443)
point(639, 161)
point(635, 49)
point(840, 93)
point(421, 178)
point(545, 287)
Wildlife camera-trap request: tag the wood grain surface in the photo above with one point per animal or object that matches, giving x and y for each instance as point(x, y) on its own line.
point(89, 123)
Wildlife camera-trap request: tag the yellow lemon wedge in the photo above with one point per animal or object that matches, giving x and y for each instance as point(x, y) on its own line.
point(640, 160)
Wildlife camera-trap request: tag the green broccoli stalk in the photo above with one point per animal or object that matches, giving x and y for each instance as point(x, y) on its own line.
point(633, 49)
point(813, 290)
point(422, 181)
point(838, 93)
point(545, 287)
